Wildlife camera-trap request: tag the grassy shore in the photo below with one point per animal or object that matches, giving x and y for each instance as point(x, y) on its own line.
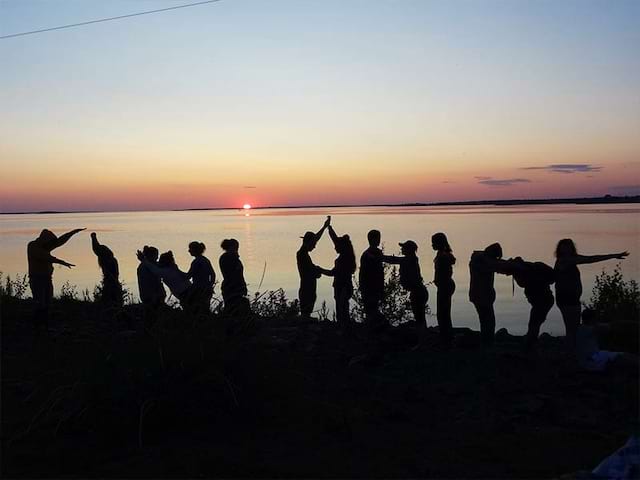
point(102, 398)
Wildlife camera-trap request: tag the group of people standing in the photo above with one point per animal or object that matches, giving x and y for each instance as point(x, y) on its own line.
point(535, 278)
point(194, 288)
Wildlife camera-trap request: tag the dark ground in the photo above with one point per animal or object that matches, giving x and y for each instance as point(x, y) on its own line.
point(284, 400)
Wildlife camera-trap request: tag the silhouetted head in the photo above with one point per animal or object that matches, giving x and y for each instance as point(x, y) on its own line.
point(150, 253)
point(47, 236)
point(230, 245)
point(167, 260)
point(494, 250)
point(309, 240)
point(374, 238)
point(589, 316)
point(344, 248)
point(343, 244)
point(439, 242)
point(196, 248)
point(409, 247)
point(566, 248)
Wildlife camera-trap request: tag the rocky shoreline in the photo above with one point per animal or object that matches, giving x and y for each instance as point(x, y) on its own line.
point(98, 398)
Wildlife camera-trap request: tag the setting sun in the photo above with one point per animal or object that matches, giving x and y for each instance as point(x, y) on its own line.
point(246, 206)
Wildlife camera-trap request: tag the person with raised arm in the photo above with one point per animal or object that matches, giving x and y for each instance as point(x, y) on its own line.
point(342, 273)
point(203, 277)
point(111, 295)
point(443, 279)
point(41, 264)
point(309, 272)
point(411, 280)
point(569, 283)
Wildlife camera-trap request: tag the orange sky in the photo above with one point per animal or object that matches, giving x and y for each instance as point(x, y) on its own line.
point(318, 103)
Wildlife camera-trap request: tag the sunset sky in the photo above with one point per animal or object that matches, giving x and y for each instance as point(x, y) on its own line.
point(301, 102)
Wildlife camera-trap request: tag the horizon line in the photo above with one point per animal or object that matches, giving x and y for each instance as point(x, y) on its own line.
point(505, 202)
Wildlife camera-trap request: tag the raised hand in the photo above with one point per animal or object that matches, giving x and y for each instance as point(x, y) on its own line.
point(327, 222)
point(140, 255)
point(76, 230)
point(622, 255)
point(66, 264)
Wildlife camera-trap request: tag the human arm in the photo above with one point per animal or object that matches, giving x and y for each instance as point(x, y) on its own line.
point(61, 262)
point(327, 223)
point(391, 259)
point(328, 273)
point(95, 245)
point(333, 235)
point(64, 238)
point(152, 267)
point(585, 259)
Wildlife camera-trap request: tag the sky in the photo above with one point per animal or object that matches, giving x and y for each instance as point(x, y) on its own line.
point(317, 102)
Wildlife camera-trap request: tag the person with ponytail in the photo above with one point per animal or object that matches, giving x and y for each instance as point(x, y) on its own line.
point(443, 279)
point(203, 277)
point(569, 283)
point(342, 273)
point(234, 287)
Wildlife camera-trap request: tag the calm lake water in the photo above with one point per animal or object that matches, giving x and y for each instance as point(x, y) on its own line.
point(271, 237)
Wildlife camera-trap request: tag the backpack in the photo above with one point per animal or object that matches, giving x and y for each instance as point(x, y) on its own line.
point(534, 274)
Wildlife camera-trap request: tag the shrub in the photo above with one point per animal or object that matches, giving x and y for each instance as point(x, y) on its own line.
point(273, 304)
point(68, 292)
point(395, 306)
point(14, 288)
point(127, 296)
point(614, 298)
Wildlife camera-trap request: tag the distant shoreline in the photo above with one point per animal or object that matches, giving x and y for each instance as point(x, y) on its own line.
point(607, 199)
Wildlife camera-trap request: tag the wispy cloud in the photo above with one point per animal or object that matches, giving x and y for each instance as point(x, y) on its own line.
point(567, 168)
point(625, 189)
point(249, 186)
point(449, 181)
point(482, 178)
point(502, 182)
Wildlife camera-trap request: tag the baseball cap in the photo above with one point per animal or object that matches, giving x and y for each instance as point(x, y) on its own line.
point(410, 244)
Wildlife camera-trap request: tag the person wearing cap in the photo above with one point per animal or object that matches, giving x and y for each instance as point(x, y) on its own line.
point(483, 266)
point(411, 279)
point(309, 272)
point(41, 263)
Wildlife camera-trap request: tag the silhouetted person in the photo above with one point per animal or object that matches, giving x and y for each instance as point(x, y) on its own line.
point(202, 276)
point(41, 263)
point(371, 280)
point(342, 273)
point(174, 278)
point(411, 280)
point(152, 293)
point(569, 284)
point(443, 279)
point(536, 278)
point(483, 266)
point(234, 287)
point(111, 296)
point(309, 272)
